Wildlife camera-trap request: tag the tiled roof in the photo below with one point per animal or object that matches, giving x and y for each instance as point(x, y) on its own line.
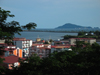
point(37, 44)
point(20, 39)
point(53, 46)
point(5, 44)
point(2, 43)
point(81, 38)
point(43, 48)
point(60, 46)
point(46, 44)
point(11, 59)
point(8, 49)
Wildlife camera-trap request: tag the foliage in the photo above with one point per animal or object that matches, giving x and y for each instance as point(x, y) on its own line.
point(9, 29)
point(30, 26)
point(46, 42)
point(51, 40)
point(33, 67)
point(83, 34)
point(85, 62)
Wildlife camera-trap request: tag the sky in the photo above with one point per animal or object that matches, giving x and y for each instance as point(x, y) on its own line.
point(54, 13)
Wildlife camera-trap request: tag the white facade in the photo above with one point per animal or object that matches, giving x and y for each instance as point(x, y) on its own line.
point(60, 48)
point(86, 40)
point(24, 45)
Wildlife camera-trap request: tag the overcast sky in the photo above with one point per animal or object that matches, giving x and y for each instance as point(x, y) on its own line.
point(54, 13)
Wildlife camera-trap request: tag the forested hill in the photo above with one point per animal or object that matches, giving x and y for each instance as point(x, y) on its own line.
point(69, 25)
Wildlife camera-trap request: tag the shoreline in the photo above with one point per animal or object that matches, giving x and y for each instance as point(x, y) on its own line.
point(51, 31)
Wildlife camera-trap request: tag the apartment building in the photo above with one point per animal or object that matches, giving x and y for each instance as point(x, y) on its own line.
point(23, 44)
point(60, 43)
point(11, 54)
point(9, 50)
point(86, 40)
point(60, 48)
point(42, 50)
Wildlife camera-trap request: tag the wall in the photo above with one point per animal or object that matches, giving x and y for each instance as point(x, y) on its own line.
point(92, 41)
point(19, 44)
point(72, 41)
point(6, 53)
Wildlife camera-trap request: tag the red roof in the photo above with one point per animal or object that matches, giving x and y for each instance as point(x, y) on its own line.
point(5, 44)
point(43, 48)
point(81, 38)
point(20, 39)
point(8, 49)
point(61, 46)
point(2, 43)
point(12, 59)
point(53, 46)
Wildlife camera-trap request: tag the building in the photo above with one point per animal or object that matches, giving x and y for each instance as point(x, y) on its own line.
point(11, 61)
point(60, 43)
point(38, 39)
point(9, 50)
point(86, 40)
point(2, 41)
point(38, 42)
point(11, 55)
point(60, 48)
point(23, 44)
point(42, 50)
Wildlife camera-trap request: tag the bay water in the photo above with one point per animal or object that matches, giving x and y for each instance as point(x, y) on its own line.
point(43, 35)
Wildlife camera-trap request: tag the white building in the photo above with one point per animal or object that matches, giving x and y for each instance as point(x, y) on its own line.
point(86, 40)
point(23, 44)
point(60, 48)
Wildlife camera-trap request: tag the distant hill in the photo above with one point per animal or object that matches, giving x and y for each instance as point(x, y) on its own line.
point(72, 26)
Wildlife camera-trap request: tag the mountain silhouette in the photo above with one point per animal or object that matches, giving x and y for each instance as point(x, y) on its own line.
point(69, 25)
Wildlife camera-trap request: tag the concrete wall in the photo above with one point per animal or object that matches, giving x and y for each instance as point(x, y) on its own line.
point(72, 41)
point(92, 41)
point(19, 44)
point(30, 43)
point(2, 41)
point(6, 53)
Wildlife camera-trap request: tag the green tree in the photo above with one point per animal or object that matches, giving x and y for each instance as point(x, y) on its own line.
point(8, 29)
point(31, 67)
point(86, 62)
point(81, 33)
point(88, 59)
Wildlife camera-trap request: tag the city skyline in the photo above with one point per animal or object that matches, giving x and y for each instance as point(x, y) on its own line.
point(54, 13)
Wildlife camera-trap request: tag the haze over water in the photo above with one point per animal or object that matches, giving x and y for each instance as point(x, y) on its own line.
point(43, 35)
